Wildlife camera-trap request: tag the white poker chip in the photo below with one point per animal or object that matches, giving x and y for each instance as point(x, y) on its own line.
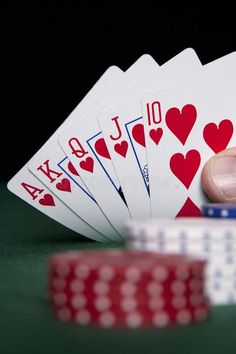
point(182, 229)
point(201, 247)
point(211, 239)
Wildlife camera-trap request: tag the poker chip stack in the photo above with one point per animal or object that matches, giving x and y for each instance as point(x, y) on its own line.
point(213, 239)
point(115, 288)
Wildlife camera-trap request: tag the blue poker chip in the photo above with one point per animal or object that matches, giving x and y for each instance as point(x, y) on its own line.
point(219, 210)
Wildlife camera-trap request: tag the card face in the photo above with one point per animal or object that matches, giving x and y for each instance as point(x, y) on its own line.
point(83, 140)
point(26, 186)
point(123, 131)
point(18, 184)
point(66, 166)
point(194, 122)
point(115, 125)
point(98, 182)
point(57, 173)
point(49, 165)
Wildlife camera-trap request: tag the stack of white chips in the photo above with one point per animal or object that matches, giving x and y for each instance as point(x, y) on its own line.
point(211, 239)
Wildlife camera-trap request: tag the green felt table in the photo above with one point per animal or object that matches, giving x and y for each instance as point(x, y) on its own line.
point(26, 324)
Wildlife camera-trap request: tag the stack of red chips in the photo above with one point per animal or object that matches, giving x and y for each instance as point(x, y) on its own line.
point(127, 288)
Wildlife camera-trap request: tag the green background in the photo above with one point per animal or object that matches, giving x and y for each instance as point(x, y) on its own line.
point(27, 237)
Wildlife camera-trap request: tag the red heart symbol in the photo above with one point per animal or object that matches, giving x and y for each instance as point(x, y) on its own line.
point(156, 134)
point(101, 148)
point(47, 200)
point(64, 185)
point(87, 164)
point(189, 209)
point(185, 168)
point(121, 148)
point(72, 169)
point(138, 134)
point(181, 123)
point(217, 138)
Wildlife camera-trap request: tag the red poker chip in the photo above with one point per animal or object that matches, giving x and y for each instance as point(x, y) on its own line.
point(140, 271)
point(125, 284)
point(119, 260)
point(134, 319)
point(121, 287)
point(105, 303)
point(131, 274)
point(116, 297)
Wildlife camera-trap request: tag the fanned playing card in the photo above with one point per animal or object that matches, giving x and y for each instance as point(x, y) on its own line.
point(83, 138)
point(55, 170)
point(195, 122)
point(123, 132)
point(25, 185)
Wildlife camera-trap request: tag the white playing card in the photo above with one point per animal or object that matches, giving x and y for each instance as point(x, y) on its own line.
point(194, 122)
point(217, 68)
point(132, 170)
point(81, 139)
point(52, 167)
point(123, 132)
point(46, 163)
point(26, 186)
point(185, 62)
point(52, 206)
